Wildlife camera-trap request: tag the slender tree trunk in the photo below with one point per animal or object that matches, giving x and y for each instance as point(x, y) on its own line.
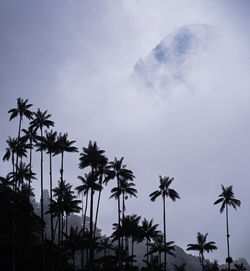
point(61, 170)
point(82, 253)
point(84, 223)
point(66, 223)
point(30, 166)
point(228, 235)
point(42, 188)
point(18, 138)
point(97, 210)
point(91, 255)
point(51, 196)
point(13, 168)
point(119, 223)
point(59, 228)
point(13, 238)
point(132, 251)
point(164, 235)
point(147, 251)
point(73, 259)
point(202, 262)
point(19, 128)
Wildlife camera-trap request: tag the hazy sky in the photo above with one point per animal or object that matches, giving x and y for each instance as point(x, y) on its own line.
point(75, 59)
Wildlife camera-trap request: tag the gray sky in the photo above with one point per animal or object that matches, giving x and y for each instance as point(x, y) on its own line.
point(75, 58)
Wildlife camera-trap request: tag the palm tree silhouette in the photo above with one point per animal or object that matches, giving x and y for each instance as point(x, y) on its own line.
point(72, 242)
point(227, 199)
point(31, 136)
point(58, 205)
point(165, 192)
point(125, 189)
point(71, 205)
point(92, 157)
point(64, 145)
point(11, 150)
point(87, 181)
point(23, 173)
point(41, 120)
point(119, 171)
point(104, 175)
point(240, 267)
point(48, 143)
point(202, 246)
point(21, 111)
point(104, 244)
point(149, 232)
point(159, 246)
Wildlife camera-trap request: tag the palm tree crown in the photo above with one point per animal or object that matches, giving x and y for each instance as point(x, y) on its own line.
point(164, 190)
point(21, 110)
point(227, 198)
point(202, 246)
point(41, 119)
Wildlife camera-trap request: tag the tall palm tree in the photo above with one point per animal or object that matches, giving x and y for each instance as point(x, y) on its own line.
point(104, 174)
point(165, 192)
point(125, 189)
point(72, 242)
point(23, 174)
point(49, 144)
point(227, 199)
point(119, 171)
point(104, 244)
point(71, 205)
point(31, 136)
point(92, 157)
point(41, 120)
point(22, 110)
point(10, 151)
point(88, 181)
point(149, 232)
point(158, 246)
point(58, 205)
point(64, 145)
point(202, 246)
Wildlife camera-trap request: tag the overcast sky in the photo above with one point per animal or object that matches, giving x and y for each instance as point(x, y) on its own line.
point(75, 59)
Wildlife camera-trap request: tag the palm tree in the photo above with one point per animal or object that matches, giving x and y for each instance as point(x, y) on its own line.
point(48, 143)
point(104, 244)
point(10, 151)
point(159, 246)
point(202, 246)
point(119, 171)
point(165, 192)
point(23, 173)
point(240, 267)
point(64, 145)
point(72, 242)
point(31, 135)
point(149, 232)
point(84, 190)
point(125, 189)
point(71, 204)
point(58, 205)
point(21, 110)
point(92, 157)
point(104, 175)
point(227, 199)
point(41, 120)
